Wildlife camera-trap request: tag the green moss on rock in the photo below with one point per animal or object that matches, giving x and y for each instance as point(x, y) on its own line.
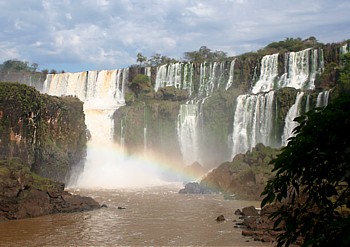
point(48, 133)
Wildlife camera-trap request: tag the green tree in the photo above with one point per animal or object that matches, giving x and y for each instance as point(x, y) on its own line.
point(15, 65)
point(312, 179)
point(344, 73)
point(204, 54)
point(140, 58)
point(141, 84)
point(34, 67)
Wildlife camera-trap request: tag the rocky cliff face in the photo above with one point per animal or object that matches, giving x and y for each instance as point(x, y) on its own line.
point(24, 194)
point(245, 176)
point(47, 133)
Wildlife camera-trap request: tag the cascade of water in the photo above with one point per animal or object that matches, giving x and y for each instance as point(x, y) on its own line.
point(322, 99)
point(122, 138)
point(231, 75)
point(169, 75)
point(307, 106)
point(211, 77)
point(187, 132)
point(188, 78)
point(268, 73)
point(148, 71)
point(97, 89)
point(345, 49)
point(301, 69)
point(252, 121)
point(290, 124)
point(144, 130)
point(102, 93)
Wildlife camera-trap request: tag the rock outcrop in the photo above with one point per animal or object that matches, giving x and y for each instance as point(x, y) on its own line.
point(47, 133)
point(24, 194)
point(246, 176)
point(195, 188)
point(257, 225)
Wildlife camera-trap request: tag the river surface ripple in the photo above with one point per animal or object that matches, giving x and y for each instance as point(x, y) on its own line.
point(153, 216)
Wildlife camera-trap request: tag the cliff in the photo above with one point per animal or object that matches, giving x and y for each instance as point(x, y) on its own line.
point(24, 194)
point(47, 133)
point(245, 176)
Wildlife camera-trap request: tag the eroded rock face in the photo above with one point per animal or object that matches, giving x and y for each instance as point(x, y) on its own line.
point(245, 176)
point(47, 133)
point(24, 194)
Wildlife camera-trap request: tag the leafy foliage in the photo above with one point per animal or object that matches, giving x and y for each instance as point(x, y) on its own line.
point(204, 54)
point(289, 44)
point(344, 77)
point(157, 60)
point(141, 84)
point(312, 179)
point(140, 58)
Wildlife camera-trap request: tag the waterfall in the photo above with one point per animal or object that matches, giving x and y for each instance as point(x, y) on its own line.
point(301, 69)
point(106, 165)
point(211, 77)
point(187, 132)
point(290, 124)
point(268, 73)
point(252, 121)
point(148, 71)
point(122, 137)
point(188, 78)
point(345, 48)
point(144, 130)
point(169, 75)
point(231, 75)
point(322, 99)
point(97, 89)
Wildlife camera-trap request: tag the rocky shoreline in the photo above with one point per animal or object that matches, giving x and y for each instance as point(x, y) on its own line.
point(24, 194)
point(256, 223)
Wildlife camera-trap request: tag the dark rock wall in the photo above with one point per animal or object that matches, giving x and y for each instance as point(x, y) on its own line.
point(245, 176)
point(24, 194)
point(48, 133)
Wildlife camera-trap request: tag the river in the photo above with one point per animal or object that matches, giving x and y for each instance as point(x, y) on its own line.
point(152, 216)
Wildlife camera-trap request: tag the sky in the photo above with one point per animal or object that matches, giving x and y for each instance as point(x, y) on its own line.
point(80, 35)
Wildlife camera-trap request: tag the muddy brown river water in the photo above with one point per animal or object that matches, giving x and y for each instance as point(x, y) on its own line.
point(153, 216)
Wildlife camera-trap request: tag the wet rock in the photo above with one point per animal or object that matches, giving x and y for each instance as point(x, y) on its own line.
point(195, 188)
point(257, 226)
point(24, 194)
point(250, 211)
point(238, 212)
point(220, 218)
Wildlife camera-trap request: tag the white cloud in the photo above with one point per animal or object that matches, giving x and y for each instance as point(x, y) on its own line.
point(96, 34)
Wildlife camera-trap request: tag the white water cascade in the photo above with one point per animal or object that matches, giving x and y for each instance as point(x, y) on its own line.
point(301, 69)
point(102, 92)
point(253, 117)
point(254, 114)
point(322, 99)
point(231, 75)
point(252, 122)
point(187, 132)
point(268, 74)
point(290, 124)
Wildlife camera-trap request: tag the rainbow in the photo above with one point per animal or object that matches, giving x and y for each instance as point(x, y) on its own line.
point(108, 166)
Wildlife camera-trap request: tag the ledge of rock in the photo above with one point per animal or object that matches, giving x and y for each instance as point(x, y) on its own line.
point(24, 194)
point(257, 225)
